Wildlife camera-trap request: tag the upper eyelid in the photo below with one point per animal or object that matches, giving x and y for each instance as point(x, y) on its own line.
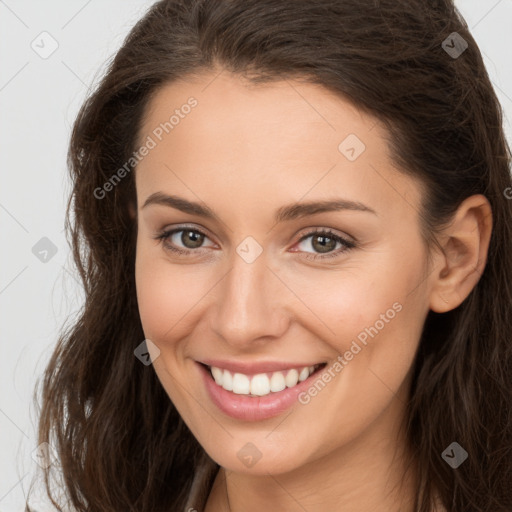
point(185, 227)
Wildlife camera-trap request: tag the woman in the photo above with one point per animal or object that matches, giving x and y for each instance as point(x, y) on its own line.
point(293, 228)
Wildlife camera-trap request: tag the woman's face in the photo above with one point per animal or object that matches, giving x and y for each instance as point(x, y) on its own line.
point(299, 245)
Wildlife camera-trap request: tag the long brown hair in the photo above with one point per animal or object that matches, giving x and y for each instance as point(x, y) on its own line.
point(120, 443)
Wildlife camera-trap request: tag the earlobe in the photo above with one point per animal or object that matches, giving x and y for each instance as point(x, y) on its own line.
point(465, 243)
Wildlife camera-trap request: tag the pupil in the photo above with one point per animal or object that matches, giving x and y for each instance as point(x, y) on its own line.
point(196, 238)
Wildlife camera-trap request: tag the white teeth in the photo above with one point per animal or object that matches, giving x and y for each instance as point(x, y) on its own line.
point(241, 384)
point(217, 375)
point(227, 381)
point(291, 378)
point(304, 374)
point(277, 382)
point(260, 384)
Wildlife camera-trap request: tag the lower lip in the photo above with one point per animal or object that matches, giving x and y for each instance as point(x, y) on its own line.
point(244, 407)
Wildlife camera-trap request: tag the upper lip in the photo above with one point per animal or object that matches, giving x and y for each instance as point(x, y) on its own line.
point(253, 367)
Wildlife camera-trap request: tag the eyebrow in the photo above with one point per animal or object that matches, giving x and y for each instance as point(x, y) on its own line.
point(285, 213)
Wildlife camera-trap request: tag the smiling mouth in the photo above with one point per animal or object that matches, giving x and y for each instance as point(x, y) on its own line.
point(261, 384)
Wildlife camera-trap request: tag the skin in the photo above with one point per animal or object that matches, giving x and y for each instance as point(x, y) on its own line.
point(245, 151)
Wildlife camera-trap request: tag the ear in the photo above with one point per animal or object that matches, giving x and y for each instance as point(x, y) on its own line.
point(464, 243)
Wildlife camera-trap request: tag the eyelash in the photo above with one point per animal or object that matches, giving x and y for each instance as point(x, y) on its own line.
point(163, 236)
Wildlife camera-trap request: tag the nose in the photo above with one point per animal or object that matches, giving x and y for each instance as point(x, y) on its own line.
point(250, 304)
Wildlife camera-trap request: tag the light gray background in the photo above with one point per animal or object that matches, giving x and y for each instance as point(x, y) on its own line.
point(39, 99)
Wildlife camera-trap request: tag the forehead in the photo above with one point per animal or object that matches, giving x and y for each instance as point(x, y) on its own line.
point(218, 131)
point(227, 103)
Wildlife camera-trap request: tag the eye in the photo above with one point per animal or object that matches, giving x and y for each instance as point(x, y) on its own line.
point(190, 239)
point(186, 240)
point(325, 242)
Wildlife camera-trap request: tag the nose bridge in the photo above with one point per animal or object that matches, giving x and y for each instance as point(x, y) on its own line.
point(247, 307)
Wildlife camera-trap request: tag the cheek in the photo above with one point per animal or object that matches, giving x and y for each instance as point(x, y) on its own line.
point(349, 301)
point(372, 313)
point(165, 293)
